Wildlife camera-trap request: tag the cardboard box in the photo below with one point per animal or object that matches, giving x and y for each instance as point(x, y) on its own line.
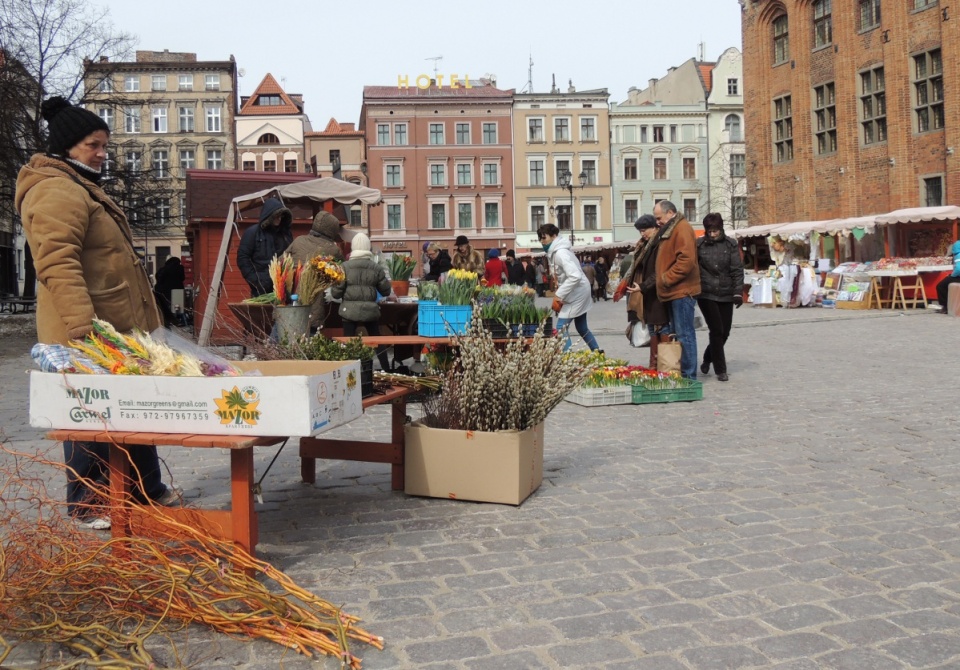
point(501, 467)
point(288, 398)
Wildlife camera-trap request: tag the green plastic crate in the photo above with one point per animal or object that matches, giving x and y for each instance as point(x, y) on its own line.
point(642, 396)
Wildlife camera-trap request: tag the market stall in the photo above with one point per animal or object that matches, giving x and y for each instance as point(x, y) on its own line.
point(924, 234)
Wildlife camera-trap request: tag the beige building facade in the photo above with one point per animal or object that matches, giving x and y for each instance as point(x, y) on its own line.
point(168, 113)
point(554, 133)
point(271, 125)
point(339, 150)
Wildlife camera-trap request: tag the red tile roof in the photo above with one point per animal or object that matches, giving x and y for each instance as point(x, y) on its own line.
point(269, 86)
point(706, 75)
point(335, 128)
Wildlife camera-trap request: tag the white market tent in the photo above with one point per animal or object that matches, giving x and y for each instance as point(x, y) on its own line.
point(920, 215)
point(304, 192)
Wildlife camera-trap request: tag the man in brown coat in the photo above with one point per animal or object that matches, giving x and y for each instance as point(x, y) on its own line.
point(678, 279)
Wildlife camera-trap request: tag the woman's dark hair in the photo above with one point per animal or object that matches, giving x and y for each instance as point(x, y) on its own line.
point(547, 229)
point(713, 220)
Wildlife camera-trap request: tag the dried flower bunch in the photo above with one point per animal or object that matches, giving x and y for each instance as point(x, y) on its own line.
point(293, 278)
point(494, 387)
point(400, 266)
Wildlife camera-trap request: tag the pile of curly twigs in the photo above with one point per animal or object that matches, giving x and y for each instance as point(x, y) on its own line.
point(102, 598)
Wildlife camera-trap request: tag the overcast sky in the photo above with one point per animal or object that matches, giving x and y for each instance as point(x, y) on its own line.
point(329, 51)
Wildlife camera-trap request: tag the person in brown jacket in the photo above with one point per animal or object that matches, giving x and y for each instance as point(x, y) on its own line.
point(87, 268)
point(321, 241)
point(465, 257)
point(678, 279)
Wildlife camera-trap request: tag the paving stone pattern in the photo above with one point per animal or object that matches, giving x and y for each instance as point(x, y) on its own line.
point(804, 515)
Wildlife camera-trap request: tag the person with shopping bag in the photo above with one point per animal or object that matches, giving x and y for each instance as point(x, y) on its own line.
point(643, 306)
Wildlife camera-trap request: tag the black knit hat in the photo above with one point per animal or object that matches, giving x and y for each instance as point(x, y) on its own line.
point(645, 221)
point(461, 240)
point(68, 124)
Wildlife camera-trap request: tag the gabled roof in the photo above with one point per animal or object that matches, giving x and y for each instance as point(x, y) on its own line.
point(269, 86)
point(336, 129)
point(706, 75)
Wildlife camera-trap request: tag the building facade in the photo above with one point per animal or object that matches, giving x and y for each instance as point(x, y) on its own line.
point(726, 148)
point(340, 151)
point(659, 147)
point(169, 113)
point(270, 129)
point(442, 158)
point(852, 111)
point(556, 133)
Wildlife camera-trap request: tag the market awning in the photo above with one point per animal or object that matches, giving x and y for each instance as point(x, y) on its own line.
point(920, 215)
point(754, 231)
point(845, 226)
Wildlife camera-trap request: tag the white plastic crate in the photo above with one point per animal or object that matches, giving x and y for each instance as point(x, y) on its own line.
point(595, 397)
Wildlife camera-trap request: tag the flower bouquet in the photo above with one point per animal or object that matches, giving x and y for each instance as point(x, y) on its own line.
point(400, 267)
point(294, 278)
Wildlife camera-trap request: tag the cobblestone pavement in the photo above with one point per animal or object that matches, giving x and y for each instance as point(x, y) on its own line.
point(803, 515)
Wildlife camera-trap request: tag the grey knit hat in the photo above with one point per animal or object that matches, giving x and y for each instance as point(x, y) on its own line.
point(68, 125)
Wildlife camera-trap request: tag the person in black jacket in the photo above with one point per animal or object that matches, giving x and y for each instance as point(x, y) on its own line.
point(260, 243)
point(721, 288)
point(514, 269)
point(170, 277)
point(440, 262)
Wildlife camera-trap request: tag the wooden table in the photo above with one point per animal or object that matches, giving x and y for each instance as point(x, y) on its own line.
point(14, 305)
point(239, 523)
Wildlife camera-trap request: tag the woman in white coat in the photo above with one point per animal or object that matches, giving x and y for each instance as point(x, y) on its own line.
point(574, 293)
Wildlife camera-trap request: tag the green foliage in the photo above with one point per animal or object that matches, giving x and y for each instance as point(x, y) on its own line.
point(428, 290)
point(322, 348)
point(400, 266)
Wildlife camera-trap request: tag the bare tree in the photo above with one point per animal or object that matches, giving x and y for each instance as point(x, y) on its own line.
point(728, 185)
point(43, 44)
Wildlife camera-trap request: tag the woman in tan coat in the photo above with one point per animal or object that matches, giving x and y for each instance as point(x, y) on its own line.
point(86, 267)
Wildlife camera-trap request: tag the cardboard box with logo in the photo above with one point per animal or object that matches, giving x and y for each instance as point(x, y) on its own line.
point(270, 398)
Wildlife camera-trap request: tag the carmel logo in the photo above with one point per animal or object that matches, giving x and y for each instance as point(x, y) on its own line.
point(423, 81)
point(79, 415)
point(234, 406)
point(86, 394)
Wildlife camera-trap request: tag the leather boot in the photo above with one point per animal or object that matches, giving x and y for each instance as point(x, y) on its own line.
point(654, 343)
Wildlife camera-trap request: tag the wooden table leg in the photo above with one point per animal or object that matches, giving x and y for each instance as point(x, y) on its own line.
point(120, 492)
point(243, 516)
point(308, 469)
point(398, 419)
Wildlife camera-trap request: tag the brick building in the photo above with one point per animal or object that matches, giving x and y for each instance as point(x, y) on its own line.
point(852, 111)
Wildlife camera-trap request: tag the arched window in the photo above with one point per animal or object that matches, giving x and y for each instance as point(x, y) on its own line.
point(268, 138)
point(822, 23)
point(732, 125)
point(781, 39)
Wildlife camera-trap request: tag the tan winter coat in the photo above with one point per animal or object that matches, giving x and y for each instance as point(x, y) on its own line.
point(471, 262)
point(678, 270)
point(83, 253)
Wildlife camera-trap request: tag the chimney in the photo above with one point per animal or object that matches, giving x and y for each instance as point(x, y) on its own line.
point(104, 59)
point(652, 83)
point(570, 88)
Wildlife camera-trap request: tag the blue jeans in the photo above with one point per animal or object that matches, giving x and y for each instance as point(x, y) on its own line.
point(88, 461)
point(580, 323)
point(681, 318)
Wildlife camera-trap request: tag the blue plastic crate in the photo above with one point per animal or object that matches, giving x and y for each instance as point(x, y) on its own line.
point(435, 320)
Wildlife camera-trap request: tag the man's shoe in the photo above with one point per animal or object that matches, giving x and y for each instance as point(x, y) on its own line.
point(723, 377)
point(92, 522)
point(172, 497)
point(704, 367)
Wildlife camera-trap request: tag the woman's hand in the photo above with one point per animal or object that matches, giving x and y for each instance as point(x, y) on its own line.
point(633, 288)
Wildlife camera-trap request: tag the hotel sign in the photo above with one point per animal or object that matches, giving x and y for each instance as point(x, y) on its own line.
point(423, 81)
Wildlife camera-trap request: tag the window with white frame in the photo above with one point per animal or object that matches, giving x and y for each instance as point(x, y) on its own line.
point(436, 133)
point(393, 176)
point(131, 83)
point(464, 215)
point(134, 161)
point(537, 216)
point(464, 174)
point(290, 164)
point(690, 209)
point(394, 217)
point(248, 165)
point(873, 106)
point(738, 165)
point(643, 134)
point(185, 82)
point(491, 174)
point(630, 210)
point(108, 165)
point(211, 82)
point(590, 217)
point(188, 160)
point(561, 129)
point(920, 4)
point(214, 159)
point(825, 118)
point(660, 167)
point(673, 134)
point(732, 125)
point(131, 119)
point(535, 130)
point(658, 134)
point(185, 119)
point(105, 85)
point(589, 167)
point(438, 215)
point(781, 40)
point(588, 129)
point(106, 114)
point(783, 128)
point(733, 86)
point(630, 169)
point(491, 215)
point(212, 115)
point(270, 164)
point(159, 115)
point(933, 191)
point(489, 133)
point(161, 163)
point(689, 165)
point(438, 175)
point(869, 11)
point(463, 133)
point(158, 82)
point(822, 23)
point(739, 209)
point(399, 134)
point(537, 177)
point(928, 91)
point(560, 166)
point(383, 134)
point(162, 211)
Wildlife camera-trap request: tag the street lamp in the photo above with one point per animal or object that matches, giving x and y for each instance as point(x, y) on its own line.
point(566, 183)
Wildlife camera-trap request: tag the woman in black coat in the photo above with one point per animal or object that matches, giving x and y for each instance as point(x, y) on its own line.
point(721, 288)
point(440, 262)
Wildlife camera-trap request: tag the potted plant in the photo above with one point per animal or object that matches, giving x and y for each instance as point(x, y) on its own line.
point(491, 305)
point(400, 267)
point(481, 437)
